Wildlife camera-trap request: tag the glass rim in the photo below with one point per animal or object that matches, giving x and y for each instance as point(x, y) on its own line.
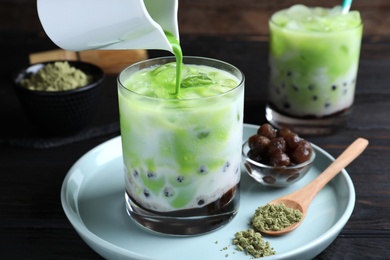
point(271, 21)
point(172, 59)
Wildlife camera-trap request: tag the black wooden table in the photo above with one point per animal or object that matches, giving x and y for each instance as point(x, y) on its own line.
point(33, 224)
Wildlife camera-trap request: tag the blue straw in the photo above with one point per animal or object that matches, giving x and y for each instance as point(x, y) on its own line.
point(346, 6)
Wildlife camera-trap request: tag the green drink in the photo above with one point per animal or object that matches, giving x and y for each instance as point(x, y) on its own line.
point(181, 150)
point(314, 57)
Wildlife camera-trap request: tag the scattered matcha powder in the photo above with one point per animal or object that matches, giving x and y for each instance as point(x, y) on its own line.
point(268, 217)
point(252, 243)
point(57, 76)
point(275, 217)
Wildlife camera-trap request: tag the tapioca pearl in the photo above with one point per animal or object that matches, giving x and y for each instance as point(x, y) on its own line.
point(345, 92)
point(146, 193)
point(310, 87)
point(168, 192)
point(200, 201)
point(203, 169)
point(226, 166)
point(180, 179)
point(327, 105)
point(133, 185)
point(314, 98)
point(152, 181)
point(295, 88)
point(135, 174)
point(288, 73)
point(151, 175)
point(333, 87)
point(286, 105)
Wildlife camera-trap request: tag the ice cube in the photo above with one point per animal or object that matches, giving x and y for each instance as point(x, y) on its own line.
point(319, 11)
point(299, 12)
point(335, 11)
point(293, 25)
point(163, 67)
point(353, 18)
point(196, 81)
point(280, 19)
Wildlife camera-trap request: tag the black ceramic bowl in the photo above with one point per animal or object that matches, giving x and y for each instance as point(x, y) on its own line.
point(60, 112)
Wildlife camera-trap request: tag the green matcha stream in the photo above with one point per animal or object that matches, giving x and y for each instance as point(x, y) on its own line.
point(179, 59)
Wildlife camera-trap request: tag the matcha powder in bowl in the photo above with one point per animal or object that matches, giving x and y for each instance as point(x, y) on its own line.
point(59, 97)
point(57, 76)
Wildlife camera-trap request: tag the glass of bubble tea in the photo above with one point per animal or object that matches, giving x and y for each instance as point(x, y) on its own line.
point(181, 151)
point(314, 58)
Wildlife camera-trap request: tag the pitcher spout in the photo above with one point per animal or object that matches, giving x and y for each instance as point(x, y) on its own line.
point(164, 13)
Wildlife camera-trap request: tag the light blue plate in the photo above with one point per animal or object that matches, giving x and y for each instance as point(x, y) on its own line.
point(92, 196)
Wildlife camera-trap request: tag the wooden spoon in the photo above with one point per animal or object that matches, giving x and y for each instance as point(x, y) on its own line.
point(302, 198)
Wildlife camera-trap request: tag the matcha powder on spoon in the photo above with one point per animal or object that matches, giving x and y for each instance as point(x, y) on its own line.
point(275, 217)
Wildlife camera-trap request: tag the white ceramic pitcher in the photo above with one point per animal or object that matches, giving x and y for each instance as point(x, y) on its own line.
point(79, 25)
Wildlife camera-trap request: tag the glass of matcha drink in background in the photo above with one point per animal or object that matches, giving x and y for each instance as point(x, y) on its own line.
point(181, 147)
point(314, 57)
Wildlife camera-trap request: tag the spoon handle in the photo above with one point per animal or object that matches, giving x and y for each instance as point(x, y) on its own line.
point(308, 192)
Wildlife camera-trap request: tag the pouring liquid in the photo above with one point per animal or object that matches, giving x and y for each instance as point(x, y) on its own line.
point(179, 59)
